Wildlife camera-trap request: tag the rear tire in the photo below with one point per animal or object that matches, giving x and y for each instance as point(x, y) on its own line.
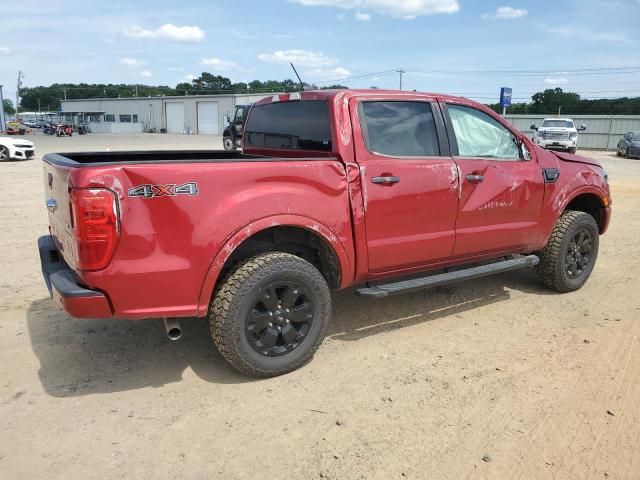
point(568, 259)
point(626, 154)
point(270, 314)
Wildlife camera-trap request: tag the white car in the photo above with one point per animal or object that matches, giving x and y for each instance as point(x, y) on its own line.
point(557, 133)
point(12, 148)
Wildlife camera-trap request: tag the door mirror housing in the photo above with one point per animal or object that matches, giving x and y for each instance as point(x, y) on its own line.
point(525, 154)
point(582, 128)
point(227, 117)
point(533, 127)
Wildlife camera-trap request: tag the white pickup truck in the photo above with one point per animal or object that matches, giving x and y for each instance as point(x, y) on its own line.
point(557, 134)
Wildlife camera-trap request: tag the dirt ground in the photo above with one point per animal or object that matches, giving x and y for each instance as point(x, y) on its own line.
point(419, 386)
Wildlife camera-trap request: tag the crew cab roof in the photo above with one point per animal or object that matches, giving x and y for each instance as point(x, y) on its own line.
point(326, 95)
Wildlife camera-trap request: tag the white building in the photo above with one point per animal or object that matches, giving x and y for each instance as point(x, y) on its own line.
point(201, 114)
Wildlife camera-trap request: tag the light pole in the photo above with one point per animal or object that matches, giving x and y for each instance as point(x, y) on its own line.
point(18, 85)
point(401, 71)
point(3, 126)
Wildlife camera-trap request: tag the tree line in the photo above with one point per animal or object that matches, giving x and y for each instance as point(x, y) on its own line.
point(48, 98)
point(547, 102)
point(555, 100)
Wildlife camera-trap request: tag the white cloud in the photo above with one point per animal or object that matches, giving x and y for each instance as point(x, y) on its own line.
point(109, 40)
point(168, 31)
point(190, 77)
point(556, 81)
point(146, 73)
point(340, 16)
point(329, 73)
point(612, 37)
point(362, 17)
point(304, 58)
point(175, 69)
point(586, 34)
point(218, 64)
point(507, 13)
point(5, 51)
point(131, 62)
point(407, 9)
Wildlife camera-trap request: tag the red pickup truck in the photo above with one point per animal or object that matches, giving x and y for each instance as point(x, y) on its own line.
point(387, 191)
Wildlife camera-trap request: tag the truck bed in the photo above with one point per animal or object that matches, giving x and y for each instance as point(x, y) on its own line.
point(97, 159)
point(178, 209)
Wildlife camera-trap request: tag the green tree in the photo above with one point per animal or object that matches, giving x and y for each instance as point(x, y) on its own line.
point(553, 99)
point(7, 106)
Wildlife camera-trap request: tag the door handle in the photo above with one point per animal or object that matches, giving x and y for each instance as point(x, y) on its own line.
point(385, 180)
point(474, 178)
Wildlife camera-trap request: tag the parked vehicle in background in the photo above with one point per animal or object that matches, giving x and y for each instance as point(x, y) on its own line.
point(12, 148)
point(232, 134)
point(557, 134)
point(388, 191)
point(64, 130)
point(15, 128)
point(629, 145)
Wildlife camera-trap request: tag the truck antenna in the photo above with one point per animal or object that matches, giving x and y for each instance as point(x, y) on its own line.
point(299, 79)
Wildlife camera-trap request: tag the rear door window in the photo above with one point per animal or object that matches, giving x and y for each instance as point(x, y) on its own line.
point(399, 129)
point(297, 125)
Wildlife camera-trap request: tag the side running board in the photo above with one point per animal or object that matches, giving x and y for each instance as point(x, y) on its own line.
point(403, 286)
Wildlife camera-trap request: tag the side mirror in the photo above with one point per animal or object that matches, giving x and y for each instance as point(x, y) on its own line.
point(583, 127)
point(227, 117)
point(533, 127)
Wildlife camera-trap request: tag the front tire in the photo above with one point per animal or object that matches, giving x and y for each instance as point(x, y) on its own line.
point(570, 255)
point(270, 314)
point(227, 143)
point(4, 154)
point(573, 150)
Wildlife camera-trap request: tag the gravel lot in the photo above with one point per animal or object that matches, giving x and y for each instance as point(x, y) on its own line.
point(419, 386)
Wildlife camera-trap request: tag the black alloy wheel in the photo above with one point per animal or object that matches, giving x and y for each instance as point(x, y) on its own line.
point(578, 254)
point(280, 318)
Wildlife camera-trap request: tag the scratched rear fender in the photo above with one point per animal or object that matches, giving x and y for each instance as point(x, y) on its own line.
point(177, 237)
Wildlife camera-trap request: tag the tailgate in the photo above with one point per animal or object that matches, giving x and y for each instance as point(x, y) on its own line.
point(56, 188)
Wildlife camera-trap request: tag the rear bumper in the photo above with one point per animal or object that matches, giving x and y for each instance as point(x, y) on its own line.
point(64, 287)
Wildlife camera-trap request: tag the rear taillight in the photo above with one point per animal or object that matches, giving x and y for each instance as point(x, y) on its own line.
point(94, 221)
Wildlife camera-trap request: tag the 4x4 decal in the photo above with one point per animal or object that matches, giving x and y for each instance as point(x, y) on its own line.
point(169, 190)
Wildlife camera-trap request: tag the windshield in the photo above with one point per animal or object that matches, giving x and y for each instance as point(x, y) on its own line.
point(241, 112)
point(557, 123)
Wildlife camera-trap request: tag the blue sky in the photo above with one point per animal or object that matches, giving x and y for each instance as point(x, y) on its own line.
point(474, 46)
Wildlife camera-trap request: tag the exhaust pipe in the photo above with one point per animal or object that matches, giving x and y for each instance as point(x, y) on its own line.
point(172, 326)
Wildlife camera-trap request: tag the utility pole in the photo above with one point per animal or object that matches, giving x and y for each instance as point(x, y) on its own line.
point(136, 90)
point(18, 85)
point(64, 90)
point(3, 126)
point(401, 71)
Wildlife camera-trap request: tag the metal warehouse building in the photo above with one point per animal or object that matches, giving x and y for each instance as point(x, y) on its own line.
point(202, 114)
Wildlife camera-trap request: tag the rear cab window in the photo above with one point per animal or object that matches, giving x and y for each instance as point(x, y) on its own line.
point(290, 125)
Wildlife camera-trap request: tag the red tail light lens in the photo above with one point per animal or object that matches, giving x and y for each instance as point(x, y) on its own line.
point(94, 218)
